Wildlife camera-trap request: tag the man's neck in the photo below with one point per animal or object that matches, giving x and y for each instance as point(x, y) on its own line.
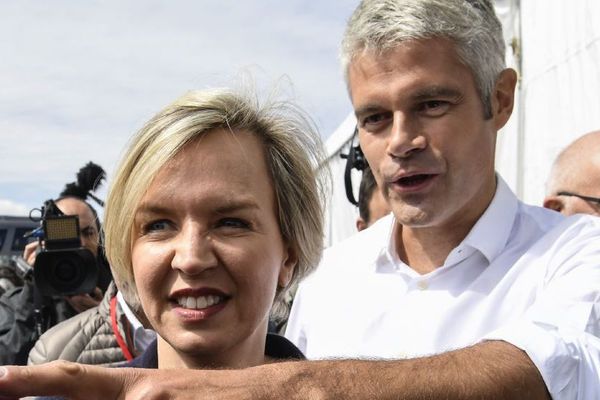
point(425, 249)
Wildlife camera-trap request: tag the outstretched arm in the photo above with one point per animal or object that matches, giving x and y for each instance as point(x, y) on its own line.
point(492, 369)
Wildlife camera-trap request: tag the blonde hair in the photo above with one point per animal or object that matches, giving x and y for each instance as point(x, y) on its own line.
point(293, 150)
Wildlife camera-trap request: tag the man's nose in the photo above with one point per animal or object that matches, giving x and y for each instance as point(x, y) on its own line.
point(194, 251)
point(405, 138)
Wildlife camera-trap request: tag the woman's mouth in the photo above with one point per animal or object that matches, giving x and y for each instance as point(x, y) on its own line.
point(201, 302)
point(194, 305)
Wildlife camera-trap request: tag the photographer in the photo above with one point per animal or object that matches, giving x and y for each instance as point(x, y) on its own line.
point(19, 326)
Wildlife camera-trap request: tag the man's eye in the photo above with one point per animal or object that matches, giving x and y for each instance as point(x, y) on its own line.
point(88, 232)
point(374, 119)
point(434, 108)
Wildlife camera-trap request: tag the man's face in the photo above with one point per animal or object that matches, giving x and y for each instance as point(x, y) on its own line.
point(423, 132)
point(574, 205)
point(87, 224)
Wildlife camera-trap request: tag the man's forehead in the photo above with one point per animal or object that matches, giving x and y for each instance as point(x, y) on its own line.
point(373, 80)
point(72, 206)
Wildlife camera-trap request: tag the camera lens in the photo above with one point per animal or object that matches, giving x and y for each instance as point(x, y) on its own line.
point(65, 272)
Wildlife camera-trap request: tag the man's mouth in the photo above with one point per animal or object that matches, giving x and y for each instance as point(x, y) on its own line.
point(414, 180)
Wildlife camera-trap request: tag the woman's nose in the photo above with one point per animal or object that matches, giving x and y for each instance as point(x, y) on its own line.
point(194, 252)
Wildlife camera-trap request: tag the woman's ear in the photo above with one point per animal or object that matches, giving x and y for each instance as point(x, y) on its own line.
point(286, 272)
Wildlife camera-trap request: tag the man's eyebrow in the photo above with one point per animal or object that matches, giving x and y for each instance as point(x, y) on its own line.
point(427, 93)
point(366, 109)
point(436, 91)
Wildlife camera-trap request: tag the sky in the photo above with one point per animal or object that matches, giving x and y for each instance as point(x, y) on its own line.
point(78, 78)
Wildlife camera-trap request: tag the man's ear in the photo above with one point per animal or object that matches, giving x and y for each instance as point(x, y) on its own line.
point(286, 272)
point(554, 203)
point(360, 224)
point(503, 97)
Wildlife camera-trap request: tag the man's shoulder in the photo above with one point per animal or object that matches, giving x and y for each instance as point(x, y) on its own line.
point(353, 257)
point(561, 241)
point(551, 224)
point(364, 247)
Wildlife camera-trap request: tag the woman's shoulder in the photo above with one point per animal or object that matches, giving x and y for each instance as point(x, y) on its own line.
point(278, 347)
point(148, 359)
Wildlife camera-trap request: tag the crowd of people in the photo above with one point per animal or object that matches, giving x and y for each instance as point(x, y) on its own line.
point(452, 288)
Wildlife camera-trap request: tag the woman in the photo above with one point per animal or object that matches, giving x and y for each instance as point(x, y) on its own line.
point(214, 212)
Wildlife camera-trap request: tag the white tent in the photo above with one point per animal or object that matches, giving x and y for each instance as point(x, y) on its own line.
point(555, 47)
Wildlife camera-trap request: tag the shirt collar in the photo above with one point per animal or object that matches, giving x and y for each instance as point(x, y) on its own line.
point(489, 235)
point(141, 337)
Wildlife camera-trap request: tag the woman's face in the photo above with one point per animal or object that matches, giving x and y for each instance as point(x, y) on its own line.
point(208, 254)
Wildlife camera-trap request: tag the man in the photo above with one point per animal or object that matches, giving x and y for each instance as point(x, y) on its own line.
point(466, 292)
point(371, 204)
point(574, 183)
point(17, 325)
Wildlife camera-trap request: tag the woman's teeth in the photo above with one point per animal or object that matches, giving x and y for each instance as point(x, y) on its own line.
point(199, 302)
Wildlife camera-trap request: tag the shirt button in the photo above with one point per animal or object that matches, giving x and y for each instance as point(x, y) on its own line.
point(422, 285)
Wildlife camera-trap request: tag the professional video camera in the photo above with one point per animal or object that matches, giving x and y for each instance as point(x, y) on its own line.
point(63, 266)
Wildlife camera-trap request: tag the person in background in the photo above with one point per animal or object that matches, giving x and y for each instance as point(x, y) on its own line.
point(574, 183)
point(371, 203)
point(110, 334)
point(17, 309)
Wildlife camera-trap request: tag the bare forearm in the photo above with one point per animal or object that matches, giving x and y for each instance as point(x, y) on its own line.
point(490, 370)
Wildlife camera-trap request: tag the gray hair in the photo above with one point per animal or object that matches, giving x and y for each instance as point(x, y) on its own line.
point(293, 150)
point(472, 25)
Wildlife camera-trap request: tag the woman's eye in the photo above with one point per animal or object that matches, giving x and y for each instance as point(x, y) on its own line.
point(155, 226)
point(233, 223)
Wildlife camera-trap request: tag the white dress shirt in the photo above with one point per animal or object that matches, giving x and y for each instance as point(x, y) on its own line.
point(523, 274)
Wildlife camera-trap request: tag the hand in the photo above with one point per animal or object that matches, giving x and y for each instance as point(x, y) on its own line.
point(82, 302)
point(30, 252)
point(89, 382)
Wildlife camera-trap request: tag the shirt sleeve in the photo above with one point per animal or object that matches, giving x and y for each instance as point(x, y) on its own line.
point(560, 332)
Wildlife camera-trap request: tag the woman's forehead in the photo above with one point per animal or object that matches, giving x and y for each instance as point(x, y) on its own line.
point(220, 161)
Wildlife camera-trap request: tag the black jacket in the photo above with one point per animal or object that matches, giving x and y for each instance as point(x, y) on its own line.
point(17, 322)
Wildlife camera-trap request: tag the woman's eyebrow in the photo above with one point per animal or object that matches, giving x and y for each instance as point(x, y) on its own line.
point(149, 209)
point(237, 205)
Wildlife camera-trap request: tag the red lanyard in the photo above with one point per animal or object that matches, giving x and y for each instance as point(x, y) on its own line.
point(115, 328)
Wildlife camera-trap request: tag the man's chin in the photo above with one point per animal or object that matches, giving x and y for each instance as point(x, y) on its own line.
point(413, 217)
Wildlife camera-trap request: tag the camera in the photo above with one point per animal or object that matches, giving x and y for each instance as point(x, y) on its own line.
point(63, 267)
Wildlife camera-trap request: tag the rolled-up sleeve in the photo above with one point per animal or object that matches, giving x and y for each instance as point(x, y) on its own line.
point(560, 332)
